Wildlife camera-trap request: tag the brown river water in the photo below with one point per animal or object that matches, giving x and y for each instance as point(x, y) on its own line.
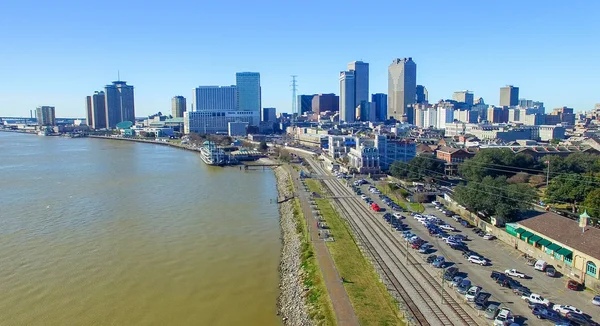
point(108, 232)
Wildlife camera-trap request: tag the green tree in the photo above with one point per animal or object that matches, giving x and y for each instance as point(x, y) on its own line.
point(496, 197)
point(494, 163)
point(570, 188)
point(592, 203)
point(555, 141)
point(418, 168)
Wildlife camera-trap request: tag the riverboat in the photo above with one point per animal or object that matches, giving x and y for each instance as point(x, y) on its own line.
point(211, 154)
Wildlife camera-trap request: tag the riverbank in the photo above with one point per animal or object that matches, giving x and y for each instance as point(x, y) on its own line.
point(290, 304)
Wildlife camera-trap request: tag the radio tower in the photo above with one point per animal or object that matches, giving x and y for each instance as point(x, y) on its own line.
point(294, 100)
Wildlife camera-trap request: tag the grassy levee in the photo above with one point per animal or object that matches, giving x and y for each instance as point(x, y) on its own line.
point(318, 302)
point(398, 199)
point(371, 301)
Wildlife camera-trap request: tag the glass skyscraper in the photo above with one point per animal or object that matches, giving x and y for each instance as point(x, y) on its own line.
point(402, 87)
point(248, 91)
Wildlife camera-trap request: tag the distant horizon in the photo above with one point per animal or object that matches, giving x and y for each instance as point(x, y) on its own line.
point(479, 46)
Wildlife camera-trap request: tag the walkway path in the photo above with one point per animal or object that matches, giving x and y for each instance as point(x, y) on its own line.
point(339, 298)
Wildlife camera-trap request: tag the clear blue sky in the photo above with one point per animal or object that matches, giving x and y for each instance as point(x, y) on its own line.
point(57, 52)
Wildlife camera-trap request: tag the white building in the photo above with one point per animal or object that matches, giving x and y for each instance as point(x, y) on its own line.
point(365, 159)
point(347, 96)
point(340, 145)
point(430, 118)
point(211, 122)
point(445, 115)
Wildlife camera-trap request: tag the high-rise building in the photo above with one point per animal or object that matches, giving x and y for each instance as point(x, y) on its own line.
point(248, 91)
point(215, 98)
point(45, 115)
point(464, 97)
point(422, 94)
point(347, 96)
point(178, 106)
point(119, 103)
point(361, 81)
point(402, 87)
point(509, 96)
point(96, 107)
point(325, 102)
point(88, 111)
point(269, 115)
point(380, 101)
point(305, 103)
point(497, 114)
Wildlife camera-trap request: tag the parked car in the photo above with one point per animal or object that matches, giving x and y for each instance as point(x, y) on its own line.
point(504, 317)
point(450, 273)
point(447, 227)
point(464, 286)
point(521, 291)
point(495, 275)
point(424, 248)
point(579, 319)
point(488, 236)
point(542, 312)
point(550, 272)
point(596, 300)
point(456, 281)
point(492, 311)
point(536, 298)
point(472, 293)
point(574, 285)
point(430, 259)
point(439, 262)
point(564, 309)
point(477, 260)
point(456, 218)
point(515, 273)
point(481, 300)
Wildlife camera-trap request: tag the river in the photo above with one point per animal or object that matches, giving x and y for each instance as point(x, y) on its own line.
point(108, 232)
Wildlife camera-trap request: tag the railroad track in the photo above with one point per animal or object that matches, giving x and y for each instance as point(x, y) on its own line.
point(429, 292)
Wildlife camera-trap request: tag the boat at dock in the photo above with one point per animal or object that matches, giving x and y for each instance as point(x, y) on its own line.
point(212, 155)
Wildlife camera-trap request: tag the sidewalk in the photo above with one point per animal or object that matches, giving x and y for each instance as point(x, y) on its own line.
point(339, 298)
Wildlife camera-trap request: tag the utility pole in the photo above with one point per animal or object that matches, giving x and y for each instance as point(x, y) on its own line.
point(442, 292)
point(294, 100)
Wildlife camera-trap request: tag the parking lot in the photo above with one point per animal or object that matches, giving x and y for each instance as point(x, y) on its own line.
point(501, 258)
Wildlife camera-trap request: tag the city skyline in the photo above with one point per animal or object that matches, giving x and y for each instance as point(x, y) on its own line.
point(65, 74)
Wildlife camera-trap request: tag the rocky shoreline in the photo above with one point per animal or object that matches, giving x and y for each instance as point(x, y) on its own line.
point(291, 305)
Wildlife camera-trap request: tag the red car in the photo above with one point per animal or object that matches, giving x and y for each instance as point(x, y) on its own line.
point(375, 207)
point(574, 285)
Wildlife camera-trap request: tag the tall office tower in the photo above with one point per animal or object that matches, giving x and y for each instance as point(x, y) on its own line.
point(380, 101)
point(497, 114)
point(269, 115)
point(509, 96)
point(422, 94)
point(347, 97)
point(96, 108)
point(45, 115)
point(178, 106)
point(119, 103)
point(402, 87)
point(215, 98)
point(464, 97)
point(248, 91)
point(88, 111)
point(305, 103)
point(361, 82)
point(325, 102)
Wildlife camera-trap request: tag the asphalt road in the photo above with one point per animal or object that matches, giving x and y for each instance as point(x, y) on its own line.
point(502, 257)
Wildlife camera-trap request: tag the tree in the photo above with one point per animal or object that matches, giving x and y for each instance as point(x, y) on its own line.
point(420, 197)
point(555, 141)
point(592, 203)
point(418, 168)
point(520, 177)
point(284, 155)
point(570, 188)
point(537, 179)
point(263, 146)
point(494, 163)
point(496, 197)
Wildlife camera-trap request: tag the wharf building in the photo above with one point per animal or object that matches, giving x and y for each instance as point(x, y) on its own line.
point(119, 103)
point(178, 106)
point(45, 115)
point(402, 88)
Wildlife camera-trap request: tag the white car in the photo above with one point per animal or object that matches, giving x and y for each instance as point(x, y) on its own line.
point(596, 300)
point(536, 298)
point(504, 317)
point(488, 236)
point(447, 227)
point(417, 216)
point(477, 260)
point(398, 215)
point(515, 273)
point(363, 196)
point(564, 309)
point(472, 293)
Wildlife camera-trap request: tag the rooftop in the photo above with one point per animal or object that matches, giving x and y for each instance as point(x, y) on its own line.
point(566, 231)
